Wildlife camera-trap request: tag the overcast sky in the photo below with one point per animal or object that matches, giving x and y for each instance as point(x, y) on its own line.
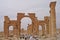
point(39, 7)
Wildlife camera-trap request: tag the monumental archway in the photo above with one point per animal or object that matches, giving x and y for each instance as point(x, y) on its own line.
point(31, 16)
point(32, 29)
point(49, 22)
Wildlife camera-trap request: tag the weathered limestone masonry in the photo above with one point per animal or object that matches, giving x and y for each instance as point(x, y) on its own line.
point(48, 24)
point(32, 29)
point(8, 23)
point(52, 19)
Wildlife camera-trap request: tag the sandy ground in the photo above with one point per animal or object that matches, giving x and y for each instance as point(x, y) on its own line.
point(41, 38)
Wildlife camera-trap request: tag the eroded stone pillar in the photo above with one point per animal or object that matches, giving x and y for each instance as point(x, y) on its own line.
point(19, 17)
point(19, 27)
point(30, 29)
point(15, 31)
point(53, 18)
point(6, 30)
point(35, 27)
point(6, 24)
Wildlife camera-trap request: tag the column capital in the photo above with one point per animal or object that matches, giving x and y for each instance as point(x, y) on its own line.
point(52, 4)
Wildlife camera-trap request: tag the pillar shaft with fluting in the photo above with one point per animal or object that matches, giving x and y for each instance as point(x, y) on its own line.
point(53, 18)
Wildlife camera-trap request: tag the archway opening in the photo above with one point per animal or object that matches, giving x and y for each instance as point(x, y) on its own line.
point(24, 24)
point(10, 30)
point(40, 30)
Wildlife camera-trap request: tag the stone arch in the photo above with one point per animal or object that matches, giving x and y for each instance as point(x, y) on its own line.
point(25, 22)
point(8, 23)
point(42, 23)
point(31, 16)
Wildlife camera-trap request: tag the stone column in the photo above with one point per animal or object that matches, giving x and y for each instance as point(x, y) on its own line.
point(53, 18)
